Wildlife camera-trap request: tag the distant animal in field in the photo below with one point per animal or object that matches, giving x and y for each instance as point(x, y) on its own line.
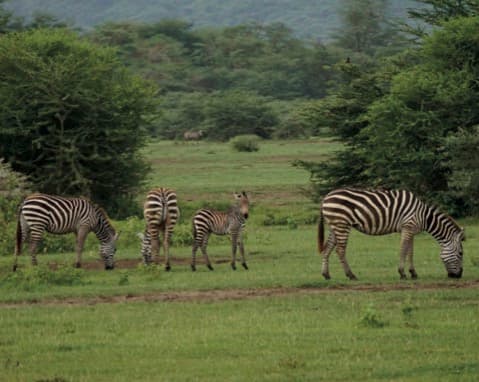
point(59, 215)
point(161, 213)
point(232, 222)
point(380, 212)
point(193, 135)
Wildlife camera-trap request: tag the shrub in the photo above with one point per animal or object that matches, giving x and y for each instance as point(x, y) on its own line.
point(245, 143)
point(13, 188)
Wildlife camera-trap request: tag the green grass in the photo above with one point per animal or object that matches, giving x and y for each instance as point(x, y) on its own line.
point(208, 170)
point(53, 326)
point(303, 338)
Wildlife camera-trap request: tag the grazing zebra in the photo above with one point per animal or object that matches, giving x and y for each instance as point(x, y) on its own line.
point(161, 213)
point(40, 212)
point(208, 221)
point(380, 212)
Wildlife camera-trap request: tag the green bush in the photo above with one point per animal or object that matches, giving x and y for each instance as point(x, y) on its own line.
point(13, 188)
point(245, 143)
point(32, 277)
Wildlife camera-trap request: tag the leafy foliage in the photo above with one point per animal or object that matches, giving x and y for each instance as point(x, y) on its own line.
point(71, 117)
point(245, 143)
point(405, 122)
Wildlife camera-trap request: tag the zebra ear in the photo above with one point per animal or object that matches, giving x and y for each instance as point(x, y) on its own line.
point(463, 234)
point(140, 235)
point(117, 235)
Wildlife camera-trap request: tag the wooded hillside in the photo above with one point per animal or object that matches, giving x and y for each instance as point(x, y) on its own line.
point(316, 19)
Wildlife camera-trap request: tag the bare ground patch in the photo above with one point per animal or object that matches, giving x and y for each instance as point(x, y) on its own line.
point(242, 294)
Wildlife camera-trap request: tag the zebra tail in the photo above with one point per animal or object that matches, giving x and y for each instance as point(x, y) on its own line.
point(18, 245)
point(321, 232)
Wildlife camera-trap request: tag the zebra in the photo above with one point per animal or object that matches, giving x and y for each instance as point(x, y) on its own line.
point(207, 221)
point(59, 215)
point(380, 212)
point(161, 213)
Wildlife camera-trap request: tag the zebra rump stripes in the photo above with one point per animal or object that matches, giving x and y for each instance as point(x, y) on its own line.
point(380, 212)
point(161, 213)
point(208, 221)
point(40, 212)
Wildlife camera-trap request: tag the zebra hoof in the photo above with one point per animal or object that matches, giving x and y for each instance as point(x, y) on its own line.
point(413, 274)
point(14, 269)
point(210, 267)
point(167, 267)
point(78, 265)
point(244, 266)
point(193, 268)
point(352, 277)
point(107, 267)
point(326, 276)
point(233, 267)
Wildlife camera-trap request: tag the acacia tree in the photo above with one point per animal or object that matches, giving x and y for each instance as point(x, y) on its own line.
point(72, 117)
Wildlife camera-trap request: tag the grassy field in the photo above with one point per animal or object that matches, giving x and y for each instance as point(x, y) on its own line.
point(279, 321)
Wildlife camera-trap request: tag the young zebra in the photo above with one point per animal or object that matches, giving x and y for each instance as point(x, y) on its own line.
point(379, 212)
point(208, 221)
point(40, 212)
point(161, 213)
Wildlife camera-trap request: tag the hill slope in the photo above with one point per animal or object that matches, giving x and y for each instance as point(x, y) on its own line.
point(308, 18)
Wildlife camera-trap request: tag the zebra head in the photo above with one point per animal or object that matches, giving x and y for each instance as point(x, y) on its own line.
point(108, 250)
point(451, 254)
point(243, 203)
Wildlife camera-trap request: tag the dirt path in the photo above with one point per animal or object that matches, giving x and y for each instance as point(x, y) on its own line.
point(240, 294)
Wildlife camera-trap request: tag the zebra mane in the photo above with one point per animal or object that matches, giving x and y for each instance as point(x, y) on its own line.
point(437, 210)
point(101, 211)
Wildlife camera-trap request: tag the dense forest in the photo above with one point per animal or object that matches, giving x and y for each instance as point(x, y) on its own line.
point(315, 19)
point(400, 95)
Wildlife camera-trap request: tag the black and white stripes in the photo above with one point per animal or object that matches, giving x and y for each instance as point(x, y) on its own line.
point(379, 212)
point(161, 213)
point(40, 212)
point(232, 222)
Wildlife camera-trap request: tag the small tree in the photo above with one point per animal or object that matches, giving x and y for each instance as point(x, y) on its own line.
point(71, 117)
point(232, 113)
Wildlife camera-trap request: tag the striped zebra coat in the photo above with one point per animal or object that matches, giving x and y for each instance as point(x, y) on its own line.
point(380, 212)
point(58, 215)
point(161, 213)
point(232, 222)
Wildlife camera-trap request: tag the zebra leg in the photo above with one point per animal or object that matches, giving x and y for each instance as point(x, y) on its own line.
point(341, 234)
point(326, 252)
point(166, 247)
point(234, 246)
point(155, 243)
point(243, 260)
point(406, 246)
point(193, 254)
point(204, 244)
point(80, 242)
point(146, 248)
point(33, 250)
point(410, 252)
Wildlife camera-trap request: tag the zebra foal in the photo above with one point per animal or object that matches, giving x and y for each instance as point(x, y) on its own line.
point(59, 215)
point(161, 213)
point(380, 212)
point(207, 221)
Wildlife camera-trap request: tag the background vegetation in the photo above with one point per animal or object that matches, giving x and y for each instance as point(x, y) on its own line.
point(309, 18)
